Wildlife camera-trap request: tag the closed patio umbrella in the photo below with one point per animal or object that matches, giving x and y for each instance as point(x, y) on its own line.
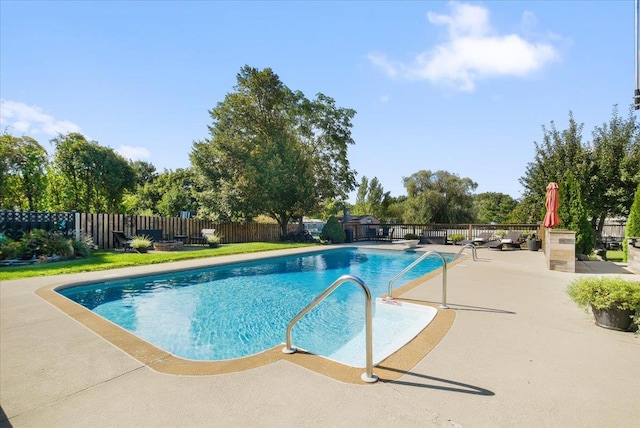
point(552, 203)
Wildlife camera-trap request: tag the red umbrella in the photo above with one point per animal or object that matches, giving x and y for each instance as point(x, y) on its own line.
point(551, 218)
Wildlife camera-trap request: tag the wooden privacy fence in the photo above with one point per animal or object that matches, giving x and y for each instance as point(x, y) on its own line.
point(101, 226)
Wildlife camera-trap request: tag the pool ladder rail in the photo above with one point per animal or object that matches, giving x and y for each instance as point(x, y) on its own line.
point(389, 297)
point(368, 375)
point(473, 251)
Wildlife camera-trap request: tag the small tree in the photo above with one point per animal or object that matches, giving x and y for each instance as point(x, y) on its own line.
point(632, 229)
point(333, 231)
point(573, 215)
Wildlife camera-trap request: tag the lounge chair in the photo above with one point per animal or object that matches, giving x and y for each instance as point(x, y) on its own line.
point(511, 240)
point(386, 235)
point(481, 239)
point(121, 240)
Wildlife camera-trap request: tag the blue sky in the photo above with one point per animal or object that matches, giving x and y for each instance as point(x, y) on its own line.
point(458, 86)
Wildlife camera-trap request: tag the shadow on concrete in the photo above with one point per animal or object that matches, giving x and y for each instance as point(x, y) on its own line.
point(458, 307)
point(600, 267)
point(4, 420)
point(446, 385)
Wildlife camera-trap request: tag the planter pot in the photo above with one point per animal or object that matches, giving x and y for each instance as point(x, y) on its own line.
point(141, 250)
point(213, 245)
point(534, 245)
point(613, 318)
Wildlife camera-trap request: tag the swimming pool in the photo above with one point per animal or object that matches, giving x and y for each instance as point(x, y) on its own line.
point(242, 309)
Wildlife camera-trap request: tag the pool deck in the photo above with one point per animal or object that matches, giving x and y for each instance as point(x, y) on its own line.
point(519, 354)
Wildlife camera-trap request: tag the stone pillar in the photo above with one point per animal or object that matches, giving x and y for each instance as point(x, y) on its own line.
point(560, 250)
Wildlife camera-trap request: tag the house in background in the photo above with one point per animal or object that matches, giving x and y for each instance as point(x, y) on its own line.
point(362, 219)
point(314, 226)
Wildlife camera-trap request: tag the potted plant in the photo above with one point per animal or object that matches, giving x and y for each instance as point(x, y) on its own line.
point(141, 243)
point(213, 240)
point(456, 237)
point(615, 302)
point(533, 243)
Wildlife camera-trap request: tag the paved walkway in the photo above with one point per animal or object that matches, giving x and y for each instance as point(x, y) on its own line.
point(520, 354)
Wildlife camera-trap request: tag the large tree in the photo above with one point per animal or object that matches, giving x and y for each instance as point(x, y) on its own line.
point(493, 207)
point(272, 151)
point(23, 173)
point(615, 168)
point(93, 178)
point(371, 199)
point(606, 169)
point(438, 197)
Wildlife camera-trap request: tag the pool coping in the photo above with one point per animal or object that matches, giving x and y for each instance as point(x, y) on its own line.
point(157, 359)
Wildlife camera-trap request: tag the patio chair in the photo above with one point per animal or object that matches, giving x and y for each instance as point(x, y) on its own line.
point(512, 239)
point(121, 240)
point(482, 238)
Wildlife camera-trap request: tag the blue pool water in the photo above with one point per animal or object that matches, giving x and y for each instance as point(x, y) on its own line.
point(242, 309)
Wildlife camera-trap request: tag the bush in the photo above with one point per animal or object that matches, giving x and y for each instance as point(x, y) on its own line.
point(333, 231)
point(213, 239)
point(632, 228)
point(455, 237)
point(604, 292)
point(10, 249)
point(140, 243)
point(411, 236)
point(573, 215)
point(82, 247)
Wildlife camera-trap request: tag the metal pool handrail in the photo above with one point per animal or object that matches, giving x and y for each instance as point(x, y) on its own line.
point(368, 376)
point(412, 265)
point(473, 251)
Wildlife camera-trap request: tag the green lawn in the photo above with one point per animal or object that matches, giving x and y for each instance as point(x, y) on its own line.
point(615, 256)
point(104, 260)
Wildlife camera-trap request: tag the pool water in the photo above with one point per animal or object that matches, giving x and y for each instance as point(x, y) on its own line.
point(237, 310)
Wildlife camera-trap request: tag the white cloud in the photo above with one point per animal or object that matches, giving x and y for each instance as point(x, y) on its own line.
point(472, 51)
point(134, 153)
point(28, 119)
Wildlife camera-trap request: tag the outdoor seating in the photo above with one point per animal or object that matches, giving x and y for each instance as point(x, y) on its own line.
point(482, 238)
point(433, 236)
point(121, 240)
point(512, 239)
point(154, 235)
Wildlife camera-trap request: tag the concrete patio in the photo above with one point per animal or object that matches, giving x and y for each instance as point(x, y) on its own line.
point(519, 353)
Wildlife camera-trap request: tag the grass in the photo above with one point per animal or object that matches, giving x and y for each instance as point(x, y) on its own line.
point(104, 260)
point(615, 256)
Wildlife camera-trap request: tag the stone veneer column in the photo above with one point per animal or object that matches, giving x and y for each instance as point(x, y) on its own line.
point(633, 258)
point(560, 250)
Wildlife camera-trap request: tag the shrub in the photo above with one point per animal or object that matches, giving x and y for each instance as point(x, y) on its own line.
point(140, 242)
point(604, 292)
point(573, 215)
point(333, 231)
point(213, 239)
point(455, 237)
point(58, 245)
point(82, 247)
point(411, 236)
point(632, 228)
point(10, 249)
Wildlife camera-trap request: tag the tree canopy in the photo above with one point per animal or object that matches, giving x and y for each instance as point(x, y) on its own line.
point(371, 199)
point(92, 178)
point(272, 151)
point(23, 173)
point(438, 197)
point(607, 169)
